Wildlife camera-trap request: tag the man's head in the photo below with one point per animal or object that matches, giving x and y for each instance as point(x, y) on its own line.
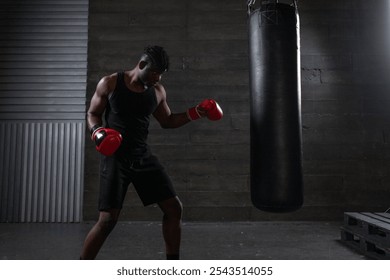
point(153, 63)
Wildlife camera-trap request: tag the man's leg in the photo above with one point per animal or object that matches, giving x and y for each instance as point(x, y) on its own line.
point(171, 226)
point(98, 234)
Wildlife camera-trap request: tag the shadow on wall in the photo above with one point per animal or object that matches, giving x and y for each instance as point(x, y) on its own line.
point(345, 90)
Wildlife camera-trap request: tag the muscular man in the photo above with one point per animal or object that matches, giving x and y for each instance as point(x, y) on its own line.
point(127, 99)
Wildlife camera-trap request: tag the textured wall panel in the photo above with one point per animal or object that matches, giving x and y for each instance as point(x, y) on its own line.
point(41, 171)
point(43, 70)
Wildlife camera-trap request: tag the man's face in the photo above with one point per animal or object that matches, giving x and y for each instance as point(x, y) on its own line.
point(149, 75)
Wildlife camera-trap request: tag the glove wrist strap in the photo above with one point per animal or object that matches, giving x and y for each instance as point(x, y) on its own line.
point(94, 128)
point(193, 113)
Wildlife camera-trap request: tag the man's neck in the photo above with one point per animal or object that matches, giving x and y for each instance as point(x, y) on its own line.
point(133, 82)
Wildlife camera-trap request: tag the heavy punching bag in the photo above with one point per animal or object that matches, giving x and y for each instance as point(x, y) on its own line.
point(275, 90)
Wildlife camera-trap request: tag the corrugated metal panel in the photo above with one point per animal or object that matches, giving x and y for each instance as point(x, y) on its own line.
point(41, 171)
point(43, 73)
point(43, 59)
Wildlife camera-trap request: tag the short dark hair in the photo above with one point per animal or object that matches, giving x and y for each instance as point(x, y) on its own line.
point(158, 57)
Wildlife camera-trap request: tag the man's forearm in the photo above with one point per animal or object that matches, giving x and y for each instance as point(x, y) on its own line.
point(176, 120)
point(93, 120)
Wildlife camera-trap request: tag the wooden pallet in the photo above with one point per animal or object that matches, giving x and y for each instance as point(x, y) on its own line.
point(367, 232)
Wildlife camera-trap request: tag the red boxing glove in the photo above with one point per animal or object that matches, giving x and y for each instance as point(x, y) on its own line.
point(210, 106)
point(107, 140)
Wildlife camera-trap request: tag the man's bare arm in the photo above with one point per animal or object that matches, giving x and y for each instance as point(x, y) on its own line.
point(99, 101)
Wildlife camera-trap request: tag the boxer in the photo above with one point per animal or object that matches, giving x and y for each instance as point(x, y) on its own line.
point(127, 100)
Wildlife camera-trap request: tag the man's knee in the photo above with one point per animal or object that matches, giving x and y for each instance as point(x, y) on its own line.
point(172, 208)
point(178, 209)
point(107, 222)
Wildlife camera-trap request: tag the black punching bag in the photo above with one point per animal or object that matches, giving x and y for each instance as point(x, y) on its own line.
point(275, 90)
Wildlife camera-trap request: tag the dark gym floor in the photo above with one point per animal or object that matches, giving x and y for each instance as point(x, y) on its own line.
point(200, 241)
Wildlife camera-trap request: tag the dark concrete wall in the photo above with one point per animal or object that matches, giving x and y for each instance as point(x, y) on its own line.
point(345, 101)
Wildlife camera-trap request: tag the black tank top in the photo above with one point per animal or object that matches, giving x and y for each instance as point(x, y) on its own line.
point(129, 113)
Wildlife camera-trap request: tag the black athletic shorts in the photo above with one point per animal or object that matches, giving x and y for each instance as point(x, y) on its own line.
point(147, 175)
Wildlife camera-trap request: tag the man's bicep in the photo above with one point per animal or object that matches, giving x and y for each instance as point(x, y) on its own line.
point(98, 102)
point(162, 113)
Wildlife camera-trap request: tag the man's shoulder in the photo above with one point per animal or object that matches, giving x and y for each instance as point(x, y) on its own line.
point(109, 81)
point(160, 92)
point(159, 88)
point(111, 77)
